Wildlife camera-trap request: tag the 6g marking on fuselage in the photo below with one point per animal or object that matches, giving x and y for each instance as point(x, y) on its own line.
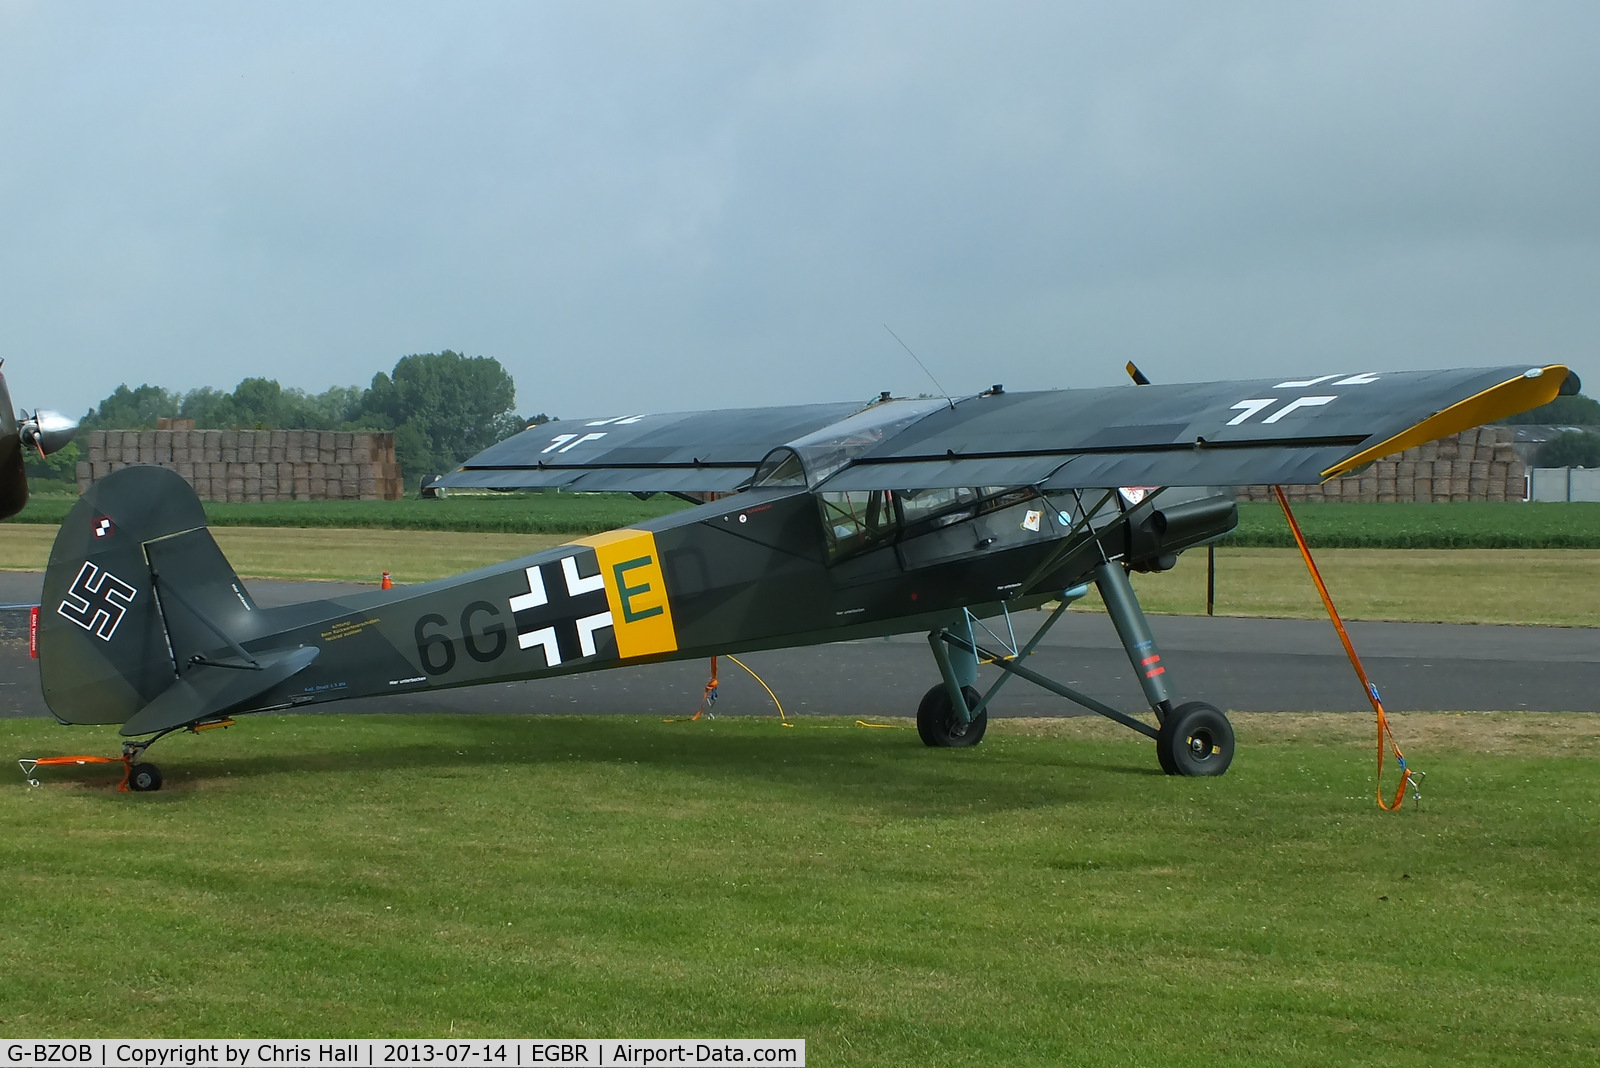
point(568, 611)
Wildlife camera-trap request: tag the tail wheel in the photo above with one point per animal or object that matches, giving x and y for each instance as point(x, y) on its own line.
point(937, 723)
point(144, 778)
point(1196, 739)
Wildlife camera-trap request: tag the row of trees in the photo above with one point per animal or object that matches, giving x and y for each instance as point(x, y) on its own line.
point(442, 407)
point(1574, 448)
point(255, 403)
point(1576, 410)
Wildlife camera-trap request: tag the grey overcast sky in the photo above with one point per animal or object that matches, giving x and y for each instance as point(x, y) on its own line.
point(658, 206)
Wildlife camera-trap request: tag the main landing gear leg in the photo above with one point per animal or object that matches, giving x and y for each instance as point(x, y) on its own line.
point(1195, 738)
point(949, 715)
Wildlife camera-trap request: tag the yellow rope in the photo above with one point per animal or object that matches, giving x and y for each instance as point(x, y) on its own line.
point(765, 687)
point(783, 716)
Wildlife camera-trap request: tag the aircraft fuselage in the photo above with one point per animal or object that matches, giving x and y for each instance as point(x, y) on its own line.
point(747, 573)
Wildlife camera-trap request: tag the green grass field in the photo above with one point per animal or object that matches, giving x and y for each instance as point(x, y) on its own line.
point(1048, 898)
point(1533, 586)
point(1526, 586)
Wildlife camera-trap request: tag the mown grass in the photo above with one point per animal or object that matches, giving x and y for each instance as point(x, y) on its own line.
point(1552, 587)
point(1048, 898)
point(332, 555)
point(1447, 586)
point(512, 513)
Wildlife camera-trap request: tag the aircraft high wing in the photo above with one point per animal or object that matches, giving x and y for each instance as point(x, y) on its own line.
point(839, 521)
point(1285, 431)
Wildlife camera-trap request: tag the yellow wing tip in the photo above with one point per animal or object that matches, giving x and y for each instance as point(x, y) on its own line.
point(1535, 386)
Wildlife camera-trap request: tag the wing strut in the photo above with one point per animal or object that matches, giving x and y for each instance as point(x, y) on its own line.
point(1406, 774)
point(1009, 666)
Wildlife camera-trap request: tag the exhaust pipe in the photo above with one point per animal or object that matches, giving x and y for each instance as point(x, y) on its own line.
point(1171, 526)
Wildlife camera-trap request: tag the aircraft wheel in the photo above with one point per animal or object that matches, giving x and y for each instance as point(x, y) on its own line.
point(144, 778)
point(1196, 739)
point(937, 723)
point(1163, 757)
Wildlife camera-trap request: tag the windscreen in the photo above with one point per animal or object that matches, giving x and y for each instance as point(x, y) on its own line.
point(825, 451)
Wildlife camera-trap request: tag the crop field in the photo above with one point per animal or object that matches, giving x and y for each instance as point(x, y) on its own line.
point(1463, 525)
point(1047, 898)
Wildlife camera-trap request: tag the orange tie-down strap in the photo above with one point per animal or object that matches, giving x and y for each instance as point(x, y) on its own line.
point(28, 766)
point(709, 698)
point(712, 687)
point(1384, 733)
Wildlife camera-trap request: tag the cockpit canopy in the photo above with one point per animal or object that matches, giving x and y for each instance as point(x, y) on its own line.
point(808, 460)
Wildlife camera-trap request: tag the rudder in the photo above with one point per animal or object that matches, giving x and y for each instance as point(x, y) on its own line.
point(135, 587)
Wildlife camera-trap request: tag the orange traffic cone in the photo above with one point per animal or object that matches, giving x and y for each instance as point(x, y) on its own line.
point(388, 584)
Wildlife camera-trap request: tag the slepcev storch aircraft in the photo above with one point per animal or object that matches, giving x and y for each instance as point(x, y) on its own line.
point(835, 521)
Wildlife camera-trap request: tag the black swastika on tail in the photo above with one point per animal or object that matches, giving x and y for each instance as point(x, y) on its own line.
point(97, 601)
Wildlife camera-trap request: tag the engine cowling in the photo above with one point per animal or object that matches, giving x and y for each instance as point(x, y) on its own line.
point(1172, 524)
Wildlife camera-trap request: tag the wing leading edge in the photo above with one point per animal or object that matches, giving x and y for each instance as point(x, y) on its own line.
point(682, 452)
point(1294, 431)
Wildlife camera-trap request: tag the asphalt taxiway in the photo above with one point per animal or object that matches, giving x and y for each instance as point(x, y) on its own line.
point(1267, 665)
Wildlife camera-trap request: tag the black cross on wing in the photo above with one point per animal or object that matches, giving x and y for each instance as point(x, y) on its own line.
point(565, 612)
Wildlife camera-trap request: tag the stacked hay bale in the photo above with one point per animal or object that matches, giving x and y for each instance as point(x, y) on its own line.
point(311, 465)
point(1475, 465)
point(256, 465)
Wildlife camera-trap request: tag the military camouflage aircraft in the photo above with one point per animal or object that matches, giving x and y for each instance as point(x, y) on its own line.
point(836, 521)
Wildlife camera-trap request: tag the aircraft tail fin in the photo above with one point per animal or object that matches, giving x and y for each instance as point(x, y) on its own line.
point(138, 599)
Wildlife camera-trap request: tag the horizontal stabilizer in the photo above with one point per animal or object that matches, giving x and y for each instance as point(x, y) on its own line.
point(207, 690)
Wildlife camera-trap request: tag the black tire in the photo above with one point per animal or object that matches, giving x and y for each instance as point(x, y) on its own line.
point(937, 724)
point(1196, 739)
point(1163, 757)
point(144, 778)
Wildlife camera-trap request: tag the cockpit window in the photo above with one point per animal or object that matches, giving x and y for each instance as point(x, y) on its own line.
point(949, 505)
point(852, 521)
point(782, 467)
